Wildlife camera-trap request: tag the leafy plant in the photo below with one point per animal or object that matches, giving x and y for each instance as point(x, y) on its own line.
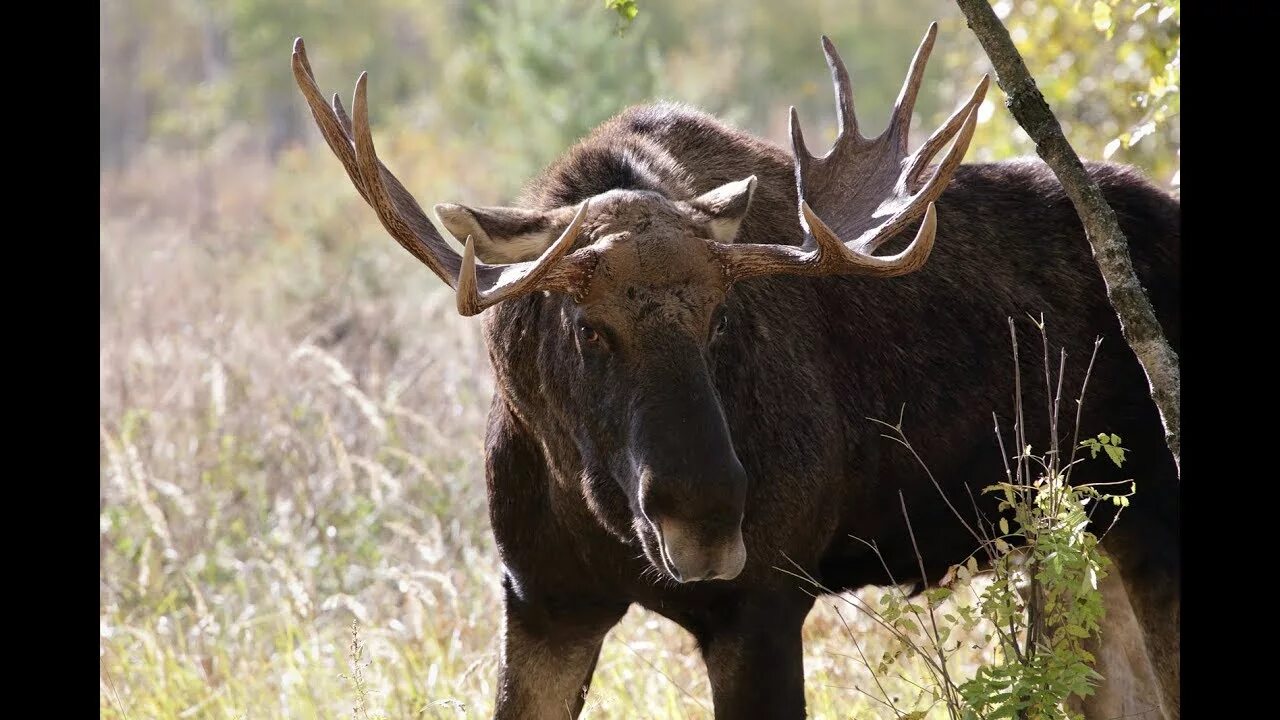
point(1029, 592)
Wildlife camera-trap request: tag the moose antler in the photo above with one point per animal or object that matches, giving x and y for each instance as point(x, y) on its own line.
point(868, 190)
point(478, 285)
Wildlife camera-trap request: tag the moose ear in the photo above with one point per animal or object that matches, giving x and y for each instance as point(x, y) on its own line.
point(726, 206)
point(502, 234)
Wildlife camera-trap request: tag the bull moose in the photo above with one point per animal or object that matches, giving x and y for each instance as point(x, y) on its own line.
point(690, 329)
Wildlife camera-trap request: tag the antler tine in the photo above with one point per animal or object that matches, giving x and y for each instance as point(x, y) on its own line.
point(415, 233)
point(337, 138)
point(844, 92)
point(341, 112)
point(942, 135)
point(509, 281)
point(798, 148)
point(411, 229)
point(841, 257)
point(931, 191)
point(902, 109)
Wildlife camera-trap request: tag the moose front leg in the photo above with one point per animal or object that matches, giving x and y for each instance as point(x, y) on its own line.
point(754, 656)
point(549, 652)
point(1152, 581)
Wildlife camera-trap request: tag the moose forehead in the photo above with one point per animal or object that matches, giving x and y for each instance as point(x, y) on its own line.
point(655, 257)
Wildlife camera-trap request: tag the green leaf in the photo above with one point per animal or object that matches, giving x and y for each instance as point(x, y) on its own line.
point(1004, 526)
point(937, 595)
point(1077, 631)
point(626, 9)
point(1115, 453)
point(1090, 580)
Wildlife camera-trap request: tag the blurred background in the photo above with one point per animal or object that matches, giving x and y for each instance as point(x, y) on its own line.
point(292, 412)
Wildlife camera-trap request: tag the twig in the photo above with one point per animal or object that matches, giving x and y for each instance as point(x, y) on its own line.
point(867, 610)
point(902, 438)
point(874, 675)
point(864, 692)
point(947, 686)
point(675, 684)
point(1075, 439)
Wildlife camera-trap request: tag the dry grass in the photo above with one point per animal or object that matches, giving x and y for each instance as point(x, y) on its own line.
point(291, 425)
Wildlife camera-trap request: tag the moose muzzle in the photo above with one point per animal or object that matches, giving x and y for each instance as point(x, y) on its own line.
point(692, 488)
point(690, 555)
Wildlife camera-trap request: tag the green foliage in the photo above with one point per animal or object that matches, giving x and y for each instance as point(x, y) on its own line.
point(626, 10)
point(1037, 612)
point(1037, 606)
point(1044, 598)
point(1110, 70)
point(1108, 443)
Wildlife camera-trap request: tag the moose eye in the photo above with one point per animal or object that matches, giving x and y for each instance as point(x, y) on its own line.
point(588, 333)
point(720, 325)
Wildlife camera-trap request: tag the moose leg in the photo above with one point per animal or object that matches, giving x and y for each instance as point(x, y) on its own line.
point(1152, 581)
point(755, 658)
point(1128, 688)
point(1157, 607)
point(549, 653)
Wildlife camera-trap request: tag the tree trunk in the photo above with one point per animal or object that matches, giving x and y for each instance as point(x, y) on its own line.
point(1110, 248)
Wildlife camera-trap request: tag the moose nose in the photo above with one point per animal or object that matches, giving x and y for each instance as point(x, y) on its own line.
point(691, 556)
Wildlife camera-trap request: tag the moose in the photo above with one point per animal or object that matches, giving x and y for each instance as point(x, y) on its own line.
point(691, 331)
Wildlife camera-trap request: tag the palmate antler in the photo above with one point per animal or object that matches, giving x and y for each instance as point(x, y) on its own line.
point(478, 285)
point(864, 191)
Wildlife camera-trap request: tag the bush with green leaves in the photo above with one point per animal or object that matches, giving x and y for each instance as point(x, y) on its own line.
point(1030, 591)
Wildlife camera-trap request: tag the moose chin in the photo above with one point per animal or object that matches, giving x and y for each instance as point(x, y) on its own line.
point(690, 328)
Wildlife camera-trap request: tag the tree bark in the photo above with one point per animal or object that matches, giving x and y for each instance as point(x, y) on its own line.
point(1110, 248)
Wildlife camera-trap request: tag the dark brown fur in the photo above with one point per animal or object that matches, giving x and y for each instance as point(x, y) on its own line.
point(802, 365)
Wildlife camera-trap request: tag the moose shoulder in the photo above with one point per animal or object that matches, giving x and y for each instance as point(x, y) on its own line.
point(690, 329)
